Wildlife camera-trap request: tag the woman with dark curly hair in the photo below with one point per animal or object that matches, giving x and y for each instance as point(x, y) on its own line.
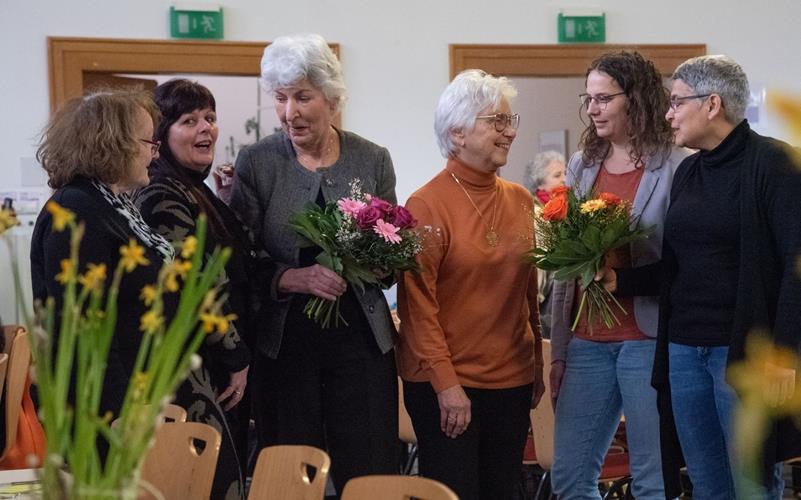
point(627, 149)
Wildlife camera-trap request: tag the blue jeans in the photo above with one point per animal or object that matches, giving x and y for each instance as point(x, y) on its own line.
point(703, 409)
point(601, 380)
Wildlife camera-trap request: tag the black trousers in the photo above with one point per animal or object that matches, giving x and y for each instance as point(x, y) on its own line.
point(332, 389)
point(485, 461)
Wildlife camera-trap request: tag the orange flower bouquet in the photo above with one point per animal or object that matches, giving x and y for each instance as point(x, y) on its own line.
point(574, 234)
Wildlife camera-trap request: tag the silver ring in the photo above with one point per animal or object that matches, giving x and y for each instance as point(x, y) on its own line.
point(237, 392)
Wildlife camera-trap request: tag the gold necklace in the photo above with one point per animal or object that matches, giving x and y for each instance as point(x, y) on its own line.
point(491, 236)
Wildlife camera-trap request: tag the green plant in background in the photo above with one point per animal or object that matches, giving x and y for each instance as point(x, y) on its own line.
point(85, 329)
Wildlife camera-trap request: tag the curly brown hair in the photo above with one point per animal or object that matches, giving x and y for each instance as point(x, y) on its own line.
point(94, 136)
point(649, 133)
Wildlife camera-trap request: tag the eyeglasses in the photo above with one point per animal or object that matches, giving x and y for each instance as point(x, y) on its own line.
point(675, 102)
point(502, 120)
point(154, 145)
point(601, 100)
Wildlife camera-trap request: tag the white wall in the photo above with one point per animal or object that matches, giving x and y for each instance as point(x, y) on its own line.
point(395, 54)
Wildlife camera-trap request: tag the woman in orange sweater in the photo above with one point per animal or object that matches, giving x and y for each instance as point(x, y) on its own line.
point(469, 353)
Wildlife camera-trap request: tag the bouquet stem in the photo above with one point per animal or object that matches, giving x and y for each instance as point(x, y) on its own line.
point(599, 303)
point(323, 311)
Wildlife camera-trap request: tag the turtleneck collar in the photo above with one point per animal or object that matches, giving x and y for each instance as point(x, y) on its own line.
point(729, 148)
point(473, 178)
point(163, 165)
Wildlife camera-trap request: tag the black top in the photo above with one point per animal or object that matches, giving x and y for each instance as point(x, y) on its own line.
point(768, 292)
point(702, 229)
point(171, 205)
point(106, 232)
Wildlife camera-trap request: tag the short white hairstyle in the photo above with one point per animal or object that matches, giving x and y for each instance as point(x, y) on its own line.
point(463, 99)
point(537, 169)
point(291, 59)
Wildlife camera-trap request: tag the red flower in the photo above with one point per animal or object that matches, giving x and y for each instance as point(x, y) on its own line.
point(367, 217)
point(556, 209)
point(609, 198)
point(383, 205)
point(402, 218)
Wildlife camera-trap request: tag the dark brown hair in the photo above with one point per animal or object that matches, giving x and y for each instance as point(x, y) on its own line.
point(649, 133)
point(94, 136)
point(175, 98)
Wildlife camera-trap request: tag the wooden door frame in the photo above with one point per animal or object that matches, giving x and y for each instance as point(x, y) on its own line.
point(69, 58)
point(559, 60)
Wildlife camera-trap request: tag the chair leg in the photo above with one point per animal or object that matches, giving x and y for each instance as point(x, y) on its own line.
point(411, 457)
point(617, 491)
point(544, 488)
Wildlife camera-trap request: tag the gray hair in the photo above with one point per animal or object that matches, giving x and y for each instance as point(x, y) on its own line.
point(294, 58)
point(463, 99)
point(537, 169)
point(717, 74)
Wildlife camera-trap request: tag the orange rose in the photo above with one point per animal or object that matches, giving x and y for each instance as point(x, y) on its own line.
point(609, 198)
point(556, 209)
point(560, 191)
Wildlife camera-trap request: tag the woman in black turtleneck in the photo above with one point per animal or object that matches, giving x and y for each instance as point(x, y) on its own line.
point(177, 195)
point(732, 237)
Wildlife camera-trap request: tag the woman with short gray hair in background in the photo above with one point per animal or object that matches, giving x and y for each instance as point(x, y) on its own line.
point(545, 172)
point(333, 388)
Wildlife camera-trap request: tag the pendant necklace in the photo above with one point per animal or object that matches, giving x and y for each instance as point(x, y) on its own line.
point(491, 236)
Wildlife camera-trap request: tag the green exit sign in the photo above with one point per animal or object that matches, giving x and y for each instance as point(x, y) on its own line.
point(582, 28)
point(196, 23)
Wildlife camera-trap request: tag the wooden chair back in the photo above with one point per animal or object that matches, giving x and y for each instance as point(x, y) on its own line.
point(282, 473)
point(396, 488)
point(405, 428)
point(174, 413)
point(18, 349)
point(3, 369)
point(175, 467)
point(542, 417)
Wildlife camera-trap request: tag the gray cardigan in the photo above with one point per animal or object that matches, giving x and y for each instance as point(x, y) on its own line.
point(650, 204)
point(270, 185)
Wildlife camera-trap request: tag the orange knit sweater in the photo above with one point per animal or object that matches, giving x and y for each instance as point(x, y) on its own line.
point(470, 317)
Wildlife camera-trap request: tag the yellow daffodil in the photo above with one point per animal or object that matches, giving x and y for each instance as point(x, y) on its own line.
point(8, 219)
point(208, 300)
point(133, 255)
point(67, 271)
point(148, 294)
point(189, 247)
point(94, 277)
point(61, 216)
point(176, 269)
point(212, 321)
point(150, 321)
point(767, 376)
point(140, 380)
point(789, 108)
point(590, 206)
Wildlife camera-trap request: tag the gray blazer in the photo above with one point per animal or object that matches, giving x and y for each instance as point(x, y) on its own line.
point(270, 185)
point(650, 204)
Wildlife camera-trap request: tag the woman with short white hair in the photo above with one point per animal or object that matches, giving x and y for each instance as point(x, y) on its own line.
point(469, 353)
point(544, 173)
point(335, 388)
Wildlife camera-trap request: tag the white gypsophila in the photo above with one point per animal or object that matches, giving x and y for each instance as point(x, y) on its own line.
point(355, 188)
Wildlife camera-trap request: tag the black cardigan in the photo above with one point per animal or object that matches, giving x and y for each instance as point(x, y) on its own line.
point(106, 232)
point(769, 291)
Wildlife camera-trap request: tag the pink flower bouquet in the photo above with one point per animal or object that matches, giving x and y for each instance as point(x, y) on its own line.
point(363, 239)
